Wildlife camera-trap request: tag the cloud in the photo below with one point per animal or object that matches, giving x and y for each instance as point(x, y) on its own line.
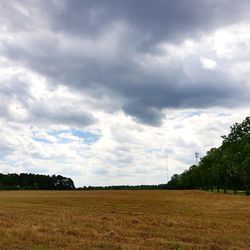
point(60, 114)
point(122, 81)
point(119, 49)
point(208, 63)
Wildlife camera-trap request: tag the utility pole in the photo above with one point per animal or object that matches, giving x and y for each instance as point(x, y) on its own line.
point(196, 157)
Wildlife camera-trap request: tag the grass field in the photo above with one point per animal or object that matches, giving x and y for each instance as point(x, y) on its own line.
point(123, 220)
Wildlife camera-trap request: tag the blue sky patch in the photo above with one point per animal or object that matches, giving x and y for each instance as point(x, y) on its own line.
point(88, 137)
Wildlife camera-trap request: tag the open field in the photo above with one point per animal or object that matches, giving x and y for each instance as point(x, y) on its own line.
point(123, 220)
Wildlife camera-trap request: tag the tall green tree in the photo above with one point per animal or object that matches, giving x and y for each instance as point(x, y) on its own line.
point(226, 167)
point(237, 150)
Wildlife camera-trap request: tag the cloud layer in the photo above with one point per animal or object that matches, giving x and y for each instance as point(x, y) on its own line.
point(83, 65)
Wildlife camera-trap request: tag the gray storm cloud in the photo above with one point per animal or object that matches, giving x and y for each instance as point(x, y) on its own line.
point(61, 114)
point(100, 48)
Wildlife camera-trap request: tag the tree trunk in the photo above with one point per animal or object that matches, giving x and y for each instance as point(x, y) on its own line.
point(247, 190)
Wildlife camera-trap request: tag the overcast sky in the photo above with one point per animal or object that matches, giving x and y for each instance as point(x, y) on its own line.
point(97, 90)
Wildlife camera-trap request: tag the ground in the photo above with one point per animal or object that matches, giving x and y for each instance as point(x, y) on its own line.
point(123, 220)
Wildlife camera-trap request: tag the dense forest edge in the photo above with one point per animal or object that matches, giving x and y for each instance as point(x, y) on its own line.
point(125, 187)
point(224, 168)
point(34, 182)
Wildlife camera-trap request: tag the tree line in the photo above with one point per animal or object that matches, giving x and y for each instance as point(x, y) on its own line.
point(35, 181)
point(226, 167)
point(125, 187)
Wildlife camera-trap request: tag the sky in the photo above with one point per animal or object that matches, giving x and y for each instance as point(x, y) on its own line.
point(98, 91)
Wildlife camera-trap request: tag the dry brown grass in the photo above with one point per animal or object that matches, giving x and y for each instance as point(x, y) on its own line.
point(123, 220)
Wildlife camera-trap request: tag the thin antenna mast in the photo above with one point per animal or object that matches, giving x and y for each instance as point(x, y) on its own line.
point(196, 157)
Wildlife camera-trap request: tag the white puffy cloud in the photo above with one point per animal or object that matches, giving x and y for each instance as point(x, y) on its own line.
point(208, 63)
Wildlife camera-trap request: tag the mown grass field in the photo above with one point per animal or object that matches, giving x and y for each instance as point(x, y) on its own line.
point(123, 220)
